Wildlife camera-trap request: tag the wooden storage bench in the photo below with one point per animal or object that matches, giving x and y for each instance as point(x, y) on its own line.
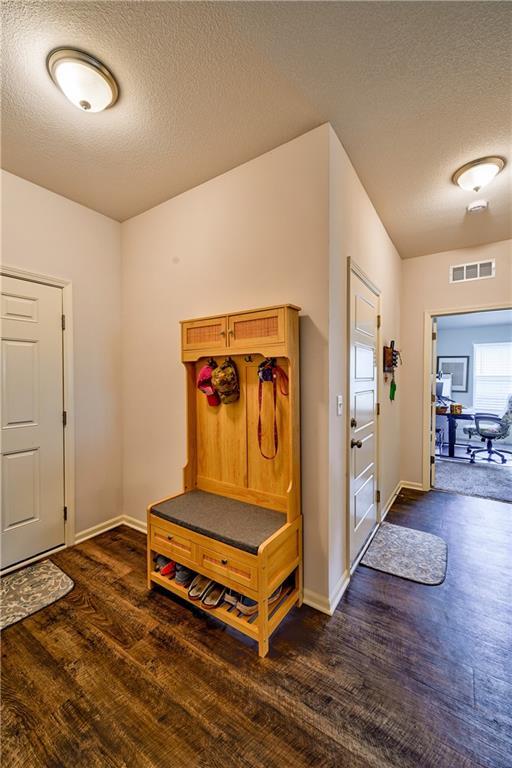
point(238, 520)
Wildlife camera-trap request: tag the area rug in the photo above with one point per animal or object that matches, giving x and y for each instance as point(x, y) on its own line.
point(407, 553)
point(491, 481)
point(27, 591)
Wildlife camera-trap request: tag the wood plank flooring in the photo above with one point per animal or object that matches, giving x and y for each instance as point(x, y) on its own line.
point(402, 675)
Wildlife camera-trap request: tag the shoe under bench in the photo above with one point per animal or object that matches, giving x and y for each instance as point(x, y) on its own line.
point(238, 520)
point(247, 548)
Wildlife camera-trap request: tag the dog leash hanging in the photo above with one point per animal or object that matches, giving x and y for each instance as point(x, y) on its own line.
point(268, 371)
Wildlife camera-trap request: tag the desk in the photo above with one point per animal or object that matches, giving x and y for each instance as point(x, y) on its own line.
point(452, 427)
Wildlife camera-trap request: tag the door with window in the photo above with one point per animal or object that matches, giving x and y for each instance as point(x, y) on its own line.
point(364, 309)
point(32, 517)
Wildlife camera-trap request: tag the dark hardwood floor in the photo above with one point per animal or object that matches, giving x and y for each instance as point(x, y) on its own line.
point(402, 675)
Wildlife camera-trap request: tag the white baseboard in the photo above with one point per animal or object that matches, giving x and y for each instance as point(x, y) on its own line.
point(137, 525)
point(131, 522)
point(389, 503)
point(411, 486)
point(317, 601)
point(338, 592)
point(95, 530)
point(327, 604)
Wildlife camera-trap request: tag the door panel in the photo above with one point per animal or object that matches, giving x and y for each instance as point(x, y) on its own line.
point(364, 502)
point(363, 421)
point(364, 363)
point(364, 316)
point(364, 456)
point(32, 518)
point(20, 487)
point(364, 408)
point(20, 392)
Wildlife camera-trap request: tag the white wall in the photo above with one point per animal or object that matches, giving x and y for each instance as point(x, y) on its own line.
point(357, 232)
point(426, 287)
point(255, 236)
point(45, 233)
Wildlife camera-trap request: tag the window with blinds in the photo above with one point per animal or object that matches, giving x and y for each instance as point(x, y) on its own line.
point(492, 377)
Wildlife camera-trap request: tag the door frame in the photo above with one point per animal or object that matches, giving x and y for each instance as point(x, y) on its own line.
point(427, 384)
point(68, 404)
point(353, 266)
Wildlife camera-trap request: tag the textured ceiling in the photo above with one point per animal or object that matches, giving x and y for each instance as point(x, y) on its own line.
point(413, 90)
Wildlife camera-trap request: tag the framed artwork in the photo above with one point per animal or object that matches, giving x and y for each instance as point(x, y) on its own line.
point(458, 367)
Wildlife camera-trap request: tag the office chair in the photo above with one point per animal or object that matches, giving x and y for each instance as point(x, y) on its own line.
point(490, 428)
point(472, 431)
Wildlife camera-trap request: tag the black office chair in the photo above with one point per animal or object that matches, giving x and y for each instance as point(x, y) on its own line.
point(490, 428)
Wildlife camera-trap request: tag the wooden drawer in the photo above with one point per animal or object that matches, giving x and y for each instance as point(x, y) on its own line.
point(253, 328)
point(228, 568)
point(176, 546)
point(207, 334)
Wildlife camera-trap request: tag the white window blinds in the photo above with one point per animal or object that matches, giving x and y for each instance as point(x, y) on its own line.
point(492, 377)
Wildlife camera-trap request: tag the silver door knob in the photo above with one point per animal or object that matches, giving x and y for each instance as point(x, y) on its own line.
point(356, 444)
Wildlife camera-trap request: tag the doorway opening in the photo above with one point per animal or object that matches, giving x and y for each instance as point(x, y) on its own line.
point(470, 429)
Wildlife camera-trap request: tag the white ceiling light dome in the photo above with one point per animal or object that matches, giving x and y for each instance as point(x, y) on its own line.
point(478, 173)
point(83, 80)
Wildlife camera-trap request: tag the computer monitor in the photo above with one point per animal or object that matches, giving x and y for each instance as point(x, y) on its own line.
point(444, 385)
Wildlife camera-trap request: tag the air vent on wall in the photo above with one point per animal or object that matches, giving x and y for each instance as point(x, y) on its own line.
point(475, 271)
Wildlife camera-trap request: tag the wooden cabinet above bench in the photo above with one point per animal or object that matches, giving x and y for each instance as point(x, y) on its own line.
point(265, 331)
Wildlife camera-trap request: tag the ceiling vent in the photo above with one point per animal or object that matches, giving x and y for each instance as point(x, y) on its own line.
point(479, 270)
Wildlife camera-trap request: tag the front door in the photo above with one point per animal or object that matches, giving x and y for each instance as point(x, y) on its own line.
point(32, 519)
point(364, 309)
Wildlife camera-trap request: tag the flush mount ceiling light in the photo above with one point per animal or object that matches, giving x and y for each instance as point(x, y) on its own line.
point(83, 80)
point(476, 174)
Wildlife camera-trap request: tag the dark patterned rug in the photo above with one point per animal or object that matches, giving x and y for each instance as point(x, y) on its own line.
point(407, 553)
point(27, 591)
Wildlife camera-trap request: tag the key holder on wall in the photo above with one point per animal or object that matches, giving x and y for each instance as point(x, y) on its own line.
point(391, 360)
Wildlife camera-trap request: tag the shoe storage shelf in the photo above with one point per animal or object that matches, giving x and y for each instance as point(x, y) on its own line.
point(238, 520)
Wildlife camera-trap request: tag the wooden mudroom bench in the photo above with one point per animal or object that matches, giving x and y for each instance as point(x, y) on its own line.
point(238, 520)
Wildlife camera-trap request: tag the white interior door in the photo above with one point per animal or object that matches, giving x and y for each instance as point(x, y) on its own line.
point(32, 519)
point(433, 372)
point(364, 308)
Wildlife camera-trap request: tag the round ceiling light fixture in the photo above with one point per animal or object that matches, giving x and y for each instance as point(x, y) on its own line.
point(83, 80)
point(476, 174)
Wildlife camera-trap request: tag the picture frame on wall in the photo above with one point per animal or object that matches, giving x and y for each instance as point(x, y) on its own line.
point(458, 368)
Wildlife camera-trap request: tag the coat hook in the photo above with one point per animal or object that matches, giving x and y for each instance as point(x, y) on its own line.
point(248, 358)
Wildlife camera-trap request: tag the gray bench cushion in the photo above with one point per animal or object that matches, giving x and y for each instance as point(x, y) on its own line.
point(244, 526)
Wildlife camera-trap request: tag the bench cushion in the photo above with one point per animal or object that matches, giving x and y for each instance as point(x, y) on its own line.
point(244, 526)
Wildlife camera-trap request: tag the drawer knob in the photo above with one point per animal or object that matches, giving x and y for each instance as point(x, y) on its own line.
point(170, 538)
point(224, 562)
